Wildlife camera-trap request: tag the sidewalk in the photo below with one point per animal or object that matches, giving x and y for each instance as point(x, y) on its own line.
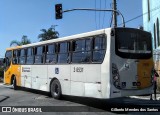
point(146, 97)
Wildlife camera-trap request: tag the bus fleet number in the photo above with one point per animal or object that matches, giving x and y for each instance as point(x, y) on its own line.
point(78, 69)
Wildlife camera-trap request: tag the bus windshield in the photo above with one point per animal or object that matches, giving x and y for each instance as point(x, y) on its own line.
point(8, 57)
point(133, 43)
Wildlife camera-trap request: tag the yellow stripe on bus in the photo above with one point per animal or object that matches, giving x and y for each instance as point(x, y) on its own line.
point(13, 48)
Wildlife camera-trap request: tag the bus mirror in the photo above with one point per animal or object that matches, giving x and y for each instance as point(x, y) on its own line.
point(4, 60)
point(112, 32)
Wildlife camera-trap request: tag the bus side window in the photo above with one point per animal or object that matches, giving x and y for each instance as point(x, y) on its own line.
point(99, 45)
point(81, 51)
point(39, 54)
point(77, 51)
point(51, 56)
point(63, 52)
point(87, 53)
point(22, 58)
point(15, 57)
point(30, 56)
point(18, 56)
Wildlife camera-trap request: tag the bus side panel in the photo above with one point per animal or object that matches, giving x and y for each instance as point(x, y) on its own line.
point(78, 79)
point(93, 81)
point(106, 69)
point(86, 80)
point(26, 74)
point(35, 77)
point(62, 73)
point(39, 77)
point(105, 77)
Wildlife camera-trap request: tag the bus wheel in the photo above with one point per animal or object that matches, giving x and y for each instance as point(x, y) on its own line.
point(56, 89)
point(15, 87)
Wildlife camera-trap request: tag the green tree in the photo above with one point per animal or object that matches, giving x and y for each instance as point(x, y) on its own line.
point(23, 41)
point(48, 34)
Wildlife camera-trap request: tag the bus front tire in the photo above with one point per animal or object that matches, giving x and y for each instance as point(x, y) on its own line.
point(56, 89)
point(15, 87)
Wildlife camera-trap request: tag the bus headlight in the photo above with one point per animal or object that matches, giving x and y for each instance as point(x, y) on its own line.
point(115, 75)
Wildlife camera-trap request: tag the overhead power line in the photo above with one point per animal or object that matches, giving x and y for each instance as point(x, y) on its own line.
point(95, 14)
point(111, 5)
point(91, 9)
point(156, 8)
point(111, 20)
point(104, 13)
point(100, 14)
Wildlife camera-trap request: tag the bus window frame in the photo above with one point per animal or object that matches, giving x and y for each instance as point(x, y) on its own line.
point(66, 53)
point(42, 56)
point(91, 49)
point(102, 49)
point(47, 53)
point(84, 39)
point(29, 56)
point(22, 56)
point(15, 58)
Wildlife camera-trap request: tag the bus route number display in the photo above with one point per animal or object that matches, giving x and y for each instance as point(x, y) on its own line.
point(78, 69)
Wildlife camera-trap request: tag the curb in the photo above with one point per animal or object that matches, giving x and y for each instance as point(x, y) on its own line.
point(144, 97)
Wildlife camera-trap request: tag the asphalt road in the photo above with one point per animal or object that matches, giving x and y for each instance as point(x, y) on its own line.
point(25, 98)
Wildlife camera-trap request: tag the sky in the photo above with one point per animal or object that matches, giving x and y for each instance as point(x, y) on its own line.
point(28, 17)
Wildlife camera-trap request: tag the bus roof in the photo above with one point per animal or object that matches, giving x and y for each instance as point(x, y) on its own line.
point(12, 48)
point(87, 34)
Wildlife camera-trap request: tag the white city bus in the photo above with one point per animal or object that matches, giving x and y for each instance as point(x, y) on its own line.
point(107, 63)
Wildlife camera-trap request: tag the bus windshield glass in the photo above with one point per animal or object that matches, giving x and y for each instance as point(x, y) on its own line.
point(8, 57)
point(133, 43)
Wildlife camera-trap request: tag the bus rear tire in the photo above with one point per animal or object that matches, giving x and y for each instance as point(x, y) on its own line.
point(56, 89)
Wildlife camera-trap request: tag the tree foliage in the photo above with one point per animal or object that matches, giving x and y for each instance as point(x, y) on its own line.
point(48, 34)
point(23, 41)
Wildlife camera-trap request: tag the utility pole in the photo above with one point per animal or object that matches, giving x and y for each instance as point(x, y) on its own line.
point(114, 13)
